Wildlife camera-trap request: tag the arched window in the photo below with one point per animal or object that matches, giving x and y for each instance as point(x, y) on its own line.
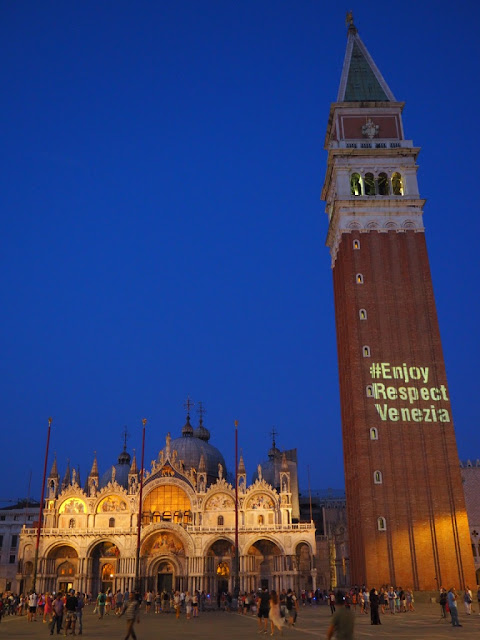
point(383, 184)
point(474, 550)
point(146, 517)
point(156, 516)
point(359, 278)
point(261, 520)
point(369, 184)
point(369, 390)
point(377, 477)
point(177, 516)
point(356, 184)
point(220, 521)
point(382, 524)
point(363, 314)
point(111, 523)
point(356, 244)
point(71, 523)
point(397, 184)
point(366, 351)
point(166, 516)
point(373, 433)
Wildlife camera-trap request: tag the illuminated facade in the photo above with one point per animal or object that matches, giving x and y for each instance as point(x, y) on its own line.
point(89, 537)
point(405, 506)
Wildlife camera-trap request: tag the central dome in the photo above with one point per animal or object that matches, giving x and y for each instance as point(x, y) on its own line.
point(191, 448)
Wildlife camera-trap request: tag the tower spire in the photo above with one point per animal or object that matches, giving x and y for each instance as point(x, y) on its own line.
point(361, 80)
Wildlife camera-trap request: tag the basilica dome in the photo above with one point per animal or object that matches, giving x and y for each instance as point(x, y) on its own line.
point(118, 471)
point(192, 445)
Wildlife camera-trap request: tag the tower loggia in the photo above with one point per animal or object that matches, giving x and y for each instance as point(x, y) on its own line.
point(406, 511)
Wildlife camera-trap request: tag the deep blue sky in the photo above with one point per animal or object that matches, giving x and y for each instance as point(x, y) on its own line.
point(161, 227)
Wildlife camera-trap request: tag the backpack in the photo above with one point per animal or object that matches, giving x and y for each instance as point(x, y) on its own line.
point(289, 602)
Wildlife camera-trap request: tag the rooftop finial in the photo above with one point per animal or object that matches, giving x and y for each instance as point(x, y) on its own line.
point(201, 411)
point(188, 404)
point(125, 436)
point(273, 433)
point(349, 22)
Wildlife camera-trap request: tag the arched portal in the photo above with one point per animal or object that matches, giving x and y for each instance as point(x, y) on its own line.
point(304, 566)
point(165, 577)
point(164, 560)
point(103, 567)
point(61, 569)
point(263, 562)
point(218, 568)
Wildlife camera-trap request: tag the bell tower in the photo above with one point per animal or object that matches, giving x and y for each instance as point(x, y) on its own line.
point(406, 510)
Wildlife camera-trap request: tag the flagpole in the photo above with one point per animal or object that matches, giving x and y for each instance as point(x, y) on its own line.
point(236, 589)
point(139, 526)
point(40, 512)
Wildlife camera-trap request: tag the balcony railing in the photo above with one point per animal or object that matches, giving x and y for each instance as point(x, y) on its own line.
point(192, 528)
point(376, 143)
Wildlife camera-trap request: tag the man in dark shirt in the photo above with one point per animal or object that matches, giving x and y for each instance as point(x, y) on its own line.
point(263, 605)
point(71, 605)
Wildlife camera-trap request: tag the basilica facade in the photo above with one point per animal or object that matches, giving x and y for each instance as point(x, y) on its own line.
point(88, 540)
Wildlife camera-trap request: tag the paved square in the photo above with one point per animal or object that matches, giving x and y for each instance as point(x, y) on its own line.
point(313, 621)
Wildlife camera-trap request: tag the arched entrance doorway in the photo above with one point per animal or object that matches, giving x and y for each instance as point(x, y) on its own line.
point(62, 565)
point(163, 554)
point(264, 563)
point(103, 567)
point(218, 568)
point(304, 566)
point(165, 577)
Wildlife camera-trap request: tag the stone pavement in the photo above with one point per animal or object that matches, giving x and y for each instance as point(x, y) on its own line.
point(312, 622)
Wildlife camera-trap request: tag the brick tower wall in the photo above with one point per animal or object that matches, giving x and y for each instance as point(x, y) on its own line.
point(426, 543)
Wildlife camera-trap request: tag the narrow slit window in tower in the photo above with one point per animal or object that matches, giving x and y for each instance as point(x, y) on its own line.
point(363, 314)
point(366, 351)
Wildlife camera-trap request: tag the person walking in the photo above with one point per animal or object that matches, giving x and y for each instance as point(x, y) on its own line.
point(80, 607)
point(47, 609)
point(131, 612)
point(188, 605)
point(263, 607)
point(177, 604)
point(71, 604)
point(467, 601)
point(274, 616)
point(443, 602)
point(343, 620)
point(101, 601)
point(57, 617)
point(331, 601)
point(374, 604)
point(452, 605)
point(291, 605)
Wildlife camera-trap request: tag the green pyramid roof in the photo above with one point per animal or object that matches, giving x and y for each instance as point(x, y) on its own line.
point(362, 84)
point(361, 79)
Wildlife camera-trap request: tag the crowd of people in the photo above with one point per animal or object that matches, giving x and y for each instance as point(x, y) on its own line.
point(63, 612)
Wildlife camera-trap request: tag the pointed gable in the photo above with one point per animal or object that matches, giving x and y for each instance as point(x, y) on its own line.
point(361, 79)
